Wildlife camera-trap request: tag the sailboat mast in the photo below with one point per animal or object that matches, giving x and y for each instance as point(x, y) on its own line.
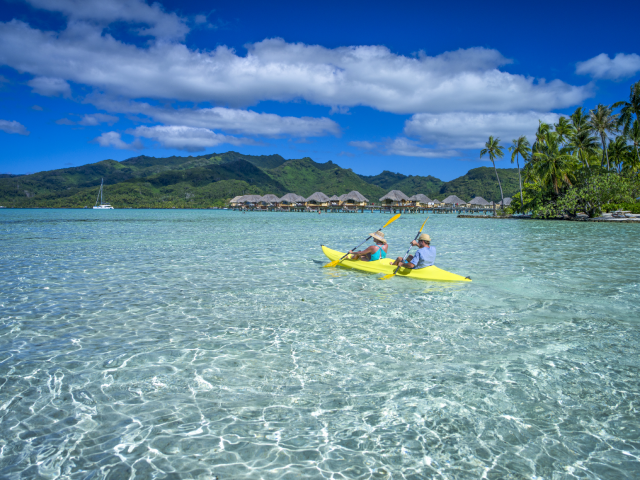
point(99, 195)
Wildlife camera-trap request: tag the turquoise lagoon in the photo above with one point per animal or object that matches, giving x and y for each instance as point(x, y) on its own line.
point(212, 344)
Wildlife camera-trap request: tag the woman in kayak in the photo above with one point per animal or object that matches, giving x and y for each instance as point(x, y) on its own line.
point(374, 252)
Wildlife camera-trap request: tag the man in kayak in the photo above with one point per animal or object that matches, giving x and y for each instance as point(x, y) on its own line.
point(374, 252)
point(424, 257)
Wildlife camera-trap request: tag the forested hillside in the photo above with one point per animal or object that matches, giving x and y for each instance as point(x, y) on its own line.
point(210, 180)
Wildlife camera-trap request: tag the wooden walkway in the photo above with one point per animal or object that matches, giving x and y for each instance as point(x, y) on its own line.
point(369, 209)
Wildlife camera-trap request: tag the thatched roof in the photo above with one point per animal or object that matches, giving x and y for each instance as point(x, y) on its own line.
point(318, 197)
point(452, 200)
point(269, 198)
point(395, 196)
point(355, 196)
point(507, 202)
point(235, 199)
point(249, 199)
point(420, 198)
point(291, 198)
point(435, 200)
point(334, 198)
point(478, 201)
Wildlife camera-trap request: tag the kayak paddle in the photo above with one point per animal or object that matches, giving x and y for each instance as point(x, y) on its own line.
point(391, 275)
point(336, 262)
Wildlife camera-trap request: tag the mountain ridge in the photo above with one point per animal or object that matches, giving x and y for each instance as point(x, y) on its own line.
point(213, 179)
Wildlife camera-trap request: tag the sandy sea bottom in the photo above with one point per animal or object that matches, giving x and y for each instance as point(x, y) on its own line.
point(212, 344)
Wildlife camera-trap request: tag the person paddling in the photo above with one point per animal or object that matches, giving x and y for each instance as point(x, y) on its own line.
point(374, 252)
point(424, 257)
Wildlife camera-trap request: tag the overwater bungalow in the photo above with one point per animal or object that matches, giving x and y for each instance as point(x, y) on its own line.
point(291, 199)
point(235, 201)
point(269, 199)
point(420, 200)
point(477, 202)
point(507, 202)
point(249, 200)
point(436, 202)
point(453, 200)
point(395, 198)
point(317, 199)
point(334, 201)
point(353, 199)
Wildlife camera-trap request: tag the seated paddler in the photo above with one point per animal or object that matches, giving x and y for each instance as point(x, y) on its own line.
point(374, 252)
point(424, 257)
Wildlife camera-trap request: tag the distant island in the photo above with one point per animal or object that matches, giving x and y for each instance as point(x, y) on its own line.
point(213, 179)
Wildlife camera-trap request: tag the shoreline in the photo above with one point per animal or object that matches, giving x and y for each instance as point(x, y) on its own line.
point(601, 219)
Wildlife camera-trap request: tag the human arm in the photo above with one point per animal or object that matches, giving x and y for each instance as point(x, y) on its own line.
point(362, 253)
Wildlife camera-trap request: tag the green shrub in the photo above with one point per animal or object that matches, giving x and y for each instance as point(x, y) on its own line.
point(630, 207)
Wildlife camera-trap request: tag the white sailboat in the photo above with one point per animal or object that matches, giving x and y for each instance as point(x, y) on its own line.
point(101, 205)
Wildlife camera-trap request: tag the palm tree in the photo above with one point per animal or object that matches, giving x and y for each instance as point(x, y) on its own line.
point(494, 149)
point(564, 129)
point(629, 109)
point(522, 147)
point(579, 120)
point(583, 143)
point(634, 137)
point(619, 152)
point(602, 121)
point(554, 163)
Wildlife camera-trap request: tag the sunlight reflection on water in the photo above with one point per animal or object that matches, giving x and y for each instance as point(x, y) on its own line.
point(213, 343)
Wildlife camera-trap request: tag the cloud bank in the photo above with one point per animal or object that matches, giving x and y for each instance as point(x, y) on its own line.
point(471, 130)
point(466, 79)
point(616, 68)
point(160, 24)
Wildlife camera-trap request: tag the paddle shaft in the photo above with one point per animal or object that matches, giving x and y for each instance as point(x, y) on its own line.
point(407, 254)
point(367, 239)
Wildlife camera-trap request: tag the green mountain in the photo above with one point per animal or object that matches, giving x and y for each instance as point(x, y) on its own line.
point(305, 177)
point(213, 179)
point(481, 182)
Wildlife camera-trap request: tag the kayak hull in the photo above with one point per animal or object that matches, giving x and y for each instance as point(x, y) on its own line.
point(384, 266)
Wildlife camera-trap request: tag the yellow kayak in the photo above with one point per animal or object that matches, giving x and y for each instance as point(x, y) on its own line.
point(384, 266)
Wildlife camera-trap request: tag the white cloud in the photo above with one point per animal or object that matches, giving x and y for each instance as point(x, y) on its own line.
point(601, 66)
point(364, 144)
point(471, 130)
point(244, 122)
point(408, 148)
point(186, 138)
point(90, 120)
point(11, 126)
point(97, 118)
point(50, 87)
point(161, 24)
point(404, 147)
point(113, 139)
point(373, 76)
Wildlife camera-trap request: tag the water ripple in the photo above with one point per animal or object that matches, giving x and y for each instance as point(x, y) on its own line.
point(212, 344)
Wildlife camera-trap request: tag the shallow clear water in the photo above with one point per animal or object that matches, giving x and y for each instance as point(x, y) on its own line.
point(212, 344)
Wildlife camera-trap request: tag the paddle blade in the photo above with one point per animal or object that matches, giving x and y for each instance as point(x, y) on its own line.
point(332, 264)
point(388, 276)
point(391, 221)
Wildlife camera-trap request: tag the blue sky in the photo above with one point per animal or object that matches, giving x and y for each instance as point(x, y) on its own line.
point(411, 87)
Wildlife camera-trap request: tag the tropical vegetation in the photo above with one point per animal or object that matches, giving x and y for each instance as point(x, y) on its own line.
point(212, 180)
point(586, 163)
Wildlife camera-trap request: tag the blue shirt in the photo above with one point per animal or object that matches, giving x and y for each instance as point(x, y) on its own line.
point(424, 257)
